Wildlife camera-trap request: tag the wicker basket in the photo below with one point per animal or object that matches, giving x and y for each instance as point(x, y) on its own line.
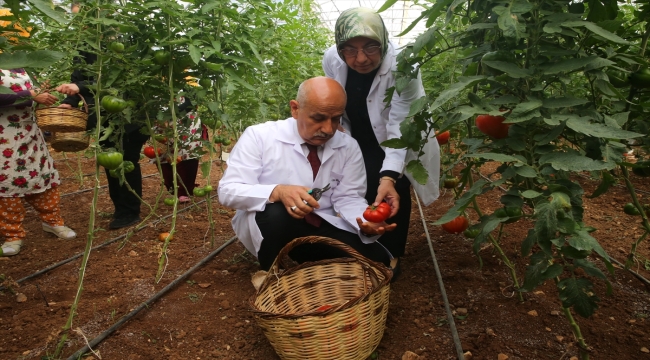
point(70, 142)
point(61, 120)
point(286, 304)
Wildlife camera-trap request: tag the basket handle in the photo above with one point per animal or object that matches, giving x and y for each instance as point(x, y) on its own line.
point(280, 260)
point(85, 103)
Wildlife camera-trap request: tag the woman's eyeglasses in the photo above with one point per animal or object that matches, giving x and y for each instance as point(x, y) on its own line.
point(350, 52)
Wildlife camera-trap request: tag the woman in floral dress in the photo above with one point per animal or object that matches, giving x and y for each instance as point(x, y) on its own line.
point(26, 168)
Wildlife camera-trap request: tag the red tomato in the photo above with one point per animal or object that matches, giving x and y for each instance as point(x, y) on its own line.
point(492, 126)
point(443, 137)
point(456, 226)
point(377, 213)
point(150, 152)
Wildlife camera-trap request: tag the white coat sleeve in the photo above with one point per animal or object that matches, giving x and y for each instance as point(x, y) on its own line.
point(348, 198)
point(400, 106)
point(327, 63)
point(240, 188)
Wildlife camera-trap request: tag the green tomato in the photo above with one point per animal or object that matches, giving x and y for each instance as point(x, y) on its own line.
point(218, 139)
point(270, 101)
point(117, 47)
point(205, 83)
point(161, 57)
point(226, 142)
point(209, 121)
point(471, 233)
point(208, 188)
point(114, 173)
point(511, 212)
point(113, 104)
point(198, 192)
point(641, 78)
point(110, 160)
point(169, 201)
point(128, 167)
point(630, 209)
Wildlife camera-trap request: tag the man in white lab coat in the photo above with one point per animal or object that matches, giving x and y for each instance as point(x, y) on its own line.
point(271, 170)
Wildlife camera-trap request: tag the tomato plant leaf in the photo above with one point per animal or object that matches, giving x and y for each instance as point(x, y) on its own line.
point(417, 105)
point(46, 8)
point(584, 126)
point(526, 171)
point(607, 181)
point(563, 102)
point(539, 270)
point(239, 80)
point(598, 31)
point(511, 69)
point(205, 168)
point(452, 91)
point(529, 242)
point(546, 224)
point(395, 143)
point(195, 53)
point(386, 5)
point(508, 19)
point(571, 160)
point(495, 157)
point(463, 202)
point(581, 240)
point(32, 59)
point(531, 194)
point(551, 135)
point(418, 171)
point(569, 65)
point(578, 293)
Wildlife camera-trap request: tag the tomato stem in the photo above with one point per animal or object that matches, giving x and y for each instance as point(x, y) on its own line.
point(644, 217)
point(575, 328)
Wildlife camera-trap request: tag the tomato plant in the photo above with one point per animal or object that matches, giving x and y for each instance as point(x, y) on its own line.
point(631, 209)
point(471, 232)
point(207, 188)
point(162, 57)
point(110, 159)
point(170, 201)
point(642, 168)
point(128, 166)
point(456, 226)
point(641, 78)
point(513, 214)
point(377, 214)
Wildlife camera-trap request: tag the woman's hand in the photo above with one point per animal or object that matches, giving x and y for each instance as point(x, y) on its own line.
point(44, 98)
point(386, 191)
point(68, 89)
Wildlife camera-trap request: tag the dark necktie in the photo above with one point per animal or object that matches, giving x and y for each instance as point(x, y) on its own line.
point(314, 161)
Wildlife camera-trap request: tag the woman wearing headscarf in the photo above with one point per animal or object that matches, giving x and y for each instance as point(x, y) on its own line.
point(363, 61)
point(28, 170)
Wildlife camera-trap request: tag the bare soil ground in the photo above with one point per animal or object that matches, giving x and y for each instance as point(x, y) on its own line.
point(207, 316)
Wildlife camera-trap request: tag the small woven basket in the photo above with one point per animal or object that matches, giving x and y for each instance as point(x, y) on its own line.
point(70, 142)
point(61, 120)
point(356, 290)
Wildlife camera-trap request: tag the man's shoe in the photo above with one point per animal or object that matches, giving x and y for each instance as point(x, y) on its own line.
point(62, 232)
point(123, 222)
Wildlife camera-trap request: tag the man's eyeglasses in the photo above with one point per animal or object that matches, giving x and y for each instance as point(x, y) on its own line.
point(350, 52)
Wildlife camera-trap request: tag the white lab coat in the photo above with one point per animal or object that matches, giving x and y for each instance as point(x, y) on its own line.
point(270, 154)
point(386, 121)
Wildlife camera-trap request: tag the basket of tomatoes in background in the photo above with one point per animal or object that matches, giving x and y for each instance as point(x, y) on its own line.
point(332, 309)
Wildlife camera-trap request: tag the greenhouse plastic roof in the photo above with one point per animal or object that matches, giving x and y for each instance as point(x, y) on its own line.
point(397, 18)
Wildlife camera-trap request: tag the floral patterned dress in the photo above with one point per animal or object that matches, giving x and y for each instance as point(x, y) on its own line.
point(26, 166)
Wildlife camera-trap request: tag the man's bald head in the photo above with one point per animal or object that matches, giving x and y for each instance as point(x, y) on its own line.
point(318, 109)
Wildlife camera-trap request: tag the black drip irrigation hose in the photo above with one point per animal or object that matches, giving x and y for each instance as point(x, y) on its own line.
point(101, 187)
point(443, 292)
point(158, 295)
point(108, 242)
